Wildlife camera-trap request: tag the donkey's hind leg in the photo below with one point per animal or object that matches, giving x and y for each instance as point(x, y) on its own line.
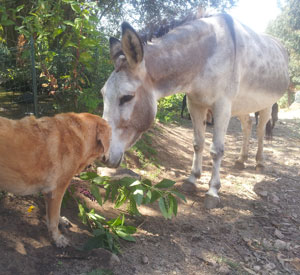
point(198, 116)
point(264, 116)
point(246, 123)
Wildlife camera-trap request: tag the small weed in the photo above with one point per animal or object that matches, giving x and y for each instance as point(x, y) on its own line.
point(100, 272)
point(144, 151)
point(2, 194)
point(232, 264)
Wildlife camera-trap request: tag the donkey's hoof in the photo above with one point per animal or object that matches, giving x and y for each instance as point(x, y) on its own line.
point(188, 186)
point(211, 202)
point(239, 165)
point(259, 168)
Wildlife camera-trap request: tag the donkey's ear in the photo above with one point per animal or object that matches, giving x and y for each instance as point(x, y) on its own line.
point(131, 45)
point(116, 53)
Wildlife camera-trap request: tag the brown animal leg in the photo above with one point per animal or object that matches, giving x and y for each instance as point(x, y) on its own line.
point(246, 123)
point(53, 203)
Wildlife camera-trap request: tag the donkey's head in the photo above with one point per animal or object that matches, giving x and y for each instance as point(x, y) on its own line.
point(129, 104)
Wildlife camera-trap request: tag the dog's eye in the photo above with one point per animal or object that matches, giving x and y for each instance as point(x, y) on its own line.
point(125, 98)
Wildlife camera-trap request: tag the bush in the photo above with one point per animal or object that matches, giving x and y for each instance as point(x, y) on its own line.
point(169, 108)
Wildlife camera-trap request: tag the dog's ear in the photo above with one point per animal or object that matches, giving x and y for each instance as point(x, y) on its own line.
point(104, 135)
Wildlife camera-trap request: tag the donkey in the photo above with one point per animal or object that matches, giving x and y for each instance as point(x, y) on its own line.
point(271, 122)
point(219, 63)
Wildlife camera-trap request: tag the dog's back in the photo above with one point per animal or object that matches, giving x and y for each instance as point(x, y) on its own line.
point(34, 153)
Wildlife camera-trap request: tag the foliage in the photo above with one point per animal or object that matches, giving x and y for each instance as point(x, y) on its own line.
point(287, 28)
point(283, 102)
point(72, 56)
point(169, 108)
point(70, 38)
point(145, 12)
point(128, 191)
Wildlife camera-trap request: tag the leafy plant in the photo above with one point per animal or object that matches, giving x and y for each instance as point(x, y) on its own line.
point(134, 193)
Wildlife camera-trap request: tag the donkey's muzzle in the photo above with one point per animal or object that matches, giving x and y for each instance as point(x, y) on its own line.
point(113, 164)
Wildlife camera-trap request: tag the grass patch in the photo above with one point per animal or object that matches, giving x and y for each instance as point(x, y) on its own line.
point(144, 150)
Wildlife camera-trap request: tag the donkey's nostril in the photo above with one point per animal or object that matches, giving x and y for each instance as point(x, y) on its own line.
point(104, 159)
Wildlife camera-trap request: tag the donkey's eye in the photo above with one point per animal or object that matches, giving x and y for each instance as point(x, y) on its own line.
point(125, 99)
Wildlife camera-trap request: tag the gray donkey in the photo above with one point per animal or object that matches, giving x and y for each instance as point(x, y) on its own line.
point(218, 62)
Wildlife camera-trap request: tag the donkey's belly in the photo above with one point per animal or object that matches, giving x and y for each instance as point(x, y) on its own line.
point(252, 101)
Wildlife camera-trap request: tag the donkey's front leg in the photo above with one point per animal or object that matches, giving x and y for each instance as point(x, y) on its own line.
point(198, 116)
point(222, 114)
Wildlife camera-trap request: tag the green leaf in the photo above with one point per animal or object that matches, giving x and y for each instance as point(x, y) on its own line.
point(69, 23)
point(110, 240)
point(165, 183)
point(82, 213)
point(132, 208)
point(179, 195)
point(162, 207)
point(57, 32)
point(147, 182)
point(120, 199)
point(155, 195)
point(92, 243)
point(126, 181)
point(138, 195)
point(101, 180)
point(115, 222)
point(137, 182)
point(127, 229)
point(98, 232)
point(19, 8)
point(175, 204)
point(95, 192)
point(148, 197)
point(125, 236)
point(107, 193)
point(114, 191)
point(88, 175)
point(75, 7)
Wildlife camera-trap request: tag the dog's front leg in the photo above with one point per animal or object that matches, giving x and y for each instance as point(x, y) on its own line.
point(53, 203)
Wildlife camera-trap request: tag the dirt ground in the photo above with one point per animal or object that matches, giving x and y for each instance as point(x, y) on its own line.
point(256, 230)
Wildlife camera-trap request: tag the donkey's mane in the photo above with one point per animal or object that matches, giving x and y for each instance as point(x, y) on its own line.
point(158, 30)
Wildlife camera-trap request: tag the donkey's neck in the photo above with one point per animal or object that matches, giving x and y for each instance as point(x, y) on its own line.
point(174, 61)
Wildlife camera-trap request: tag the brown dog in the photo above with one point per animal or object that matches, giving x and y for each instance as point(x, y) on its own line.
point(42, 155)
